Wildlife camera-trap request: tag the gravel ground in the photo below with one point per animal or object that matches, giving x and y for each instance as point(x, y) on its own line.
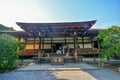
point(47, 75)
point(28, 75)
point(85, 74)
point(104, 74)
point(100, 74)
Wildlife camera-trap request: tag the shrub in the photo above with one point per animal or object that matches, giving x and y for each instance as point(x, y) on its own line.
point(8, 55)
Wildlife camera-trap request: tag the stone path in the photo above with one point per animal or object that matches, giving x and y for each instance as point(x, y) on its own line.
point(104, 74)
point(73, 75)
point(81, 74)
point(66, 66)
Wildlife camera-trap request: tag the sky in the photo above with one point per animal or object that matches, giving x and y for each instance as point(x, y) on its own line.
point(106, 12)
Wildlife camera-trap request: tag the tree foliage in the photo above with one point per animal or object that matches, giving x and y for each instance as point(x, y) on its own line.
point(110, 41)
point(2, 27)
point(8, 56)
point(22, 46)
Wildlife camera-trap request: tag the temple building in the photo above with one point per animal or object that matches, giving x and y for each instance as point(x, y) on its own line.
point(58, 38)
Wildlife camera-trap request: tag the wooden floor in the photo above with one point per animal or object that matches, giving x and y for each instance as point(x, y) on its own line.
point(47, 57)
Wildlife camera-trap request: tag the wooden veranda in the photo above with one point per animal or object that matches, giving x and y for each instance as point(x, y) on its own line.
point(62, 33)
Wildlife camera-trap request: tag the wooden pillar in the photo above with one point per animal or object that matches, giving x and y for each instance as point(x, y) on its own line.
point(51, 44)
point(18, 49)
point(83, 42)
point(93, 50)
point(91, 42)
point(65, 40)
point(23, 51)
point(25, 44)
point(77, 40)
point(98, 45)
point(34, 45)
point(75, 47)
point(39, 50)
point(43, 43)
point(74, 41)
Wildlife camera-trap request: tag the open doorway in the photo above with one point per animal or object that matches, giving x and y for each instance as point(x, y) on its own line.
point(58, 45)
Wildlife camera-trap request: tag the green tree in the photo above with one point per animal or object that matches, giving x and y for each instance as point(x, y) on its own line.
point(2, 27)
point(8, 55)
point(110, 41)
point(22, 46)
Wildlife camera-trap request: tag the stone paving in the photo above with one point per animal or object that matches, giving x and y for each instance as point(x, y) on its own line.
point(104, 74)
point(66, 66)
point(81, 74)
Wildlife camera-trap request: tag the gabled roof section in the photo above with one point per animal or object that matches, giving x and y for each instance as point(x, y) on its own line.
point(22, 34)
point(36, 28)
point(92, 32)
point(17, 34)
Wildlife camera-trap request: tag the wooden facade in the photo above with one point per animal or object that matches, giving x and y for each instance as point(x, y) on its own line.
point(50, 37)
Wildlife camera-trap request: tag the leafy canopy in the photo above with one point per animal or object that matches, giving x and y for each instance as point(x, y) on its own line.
point(8, 47)
point(110, 41)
